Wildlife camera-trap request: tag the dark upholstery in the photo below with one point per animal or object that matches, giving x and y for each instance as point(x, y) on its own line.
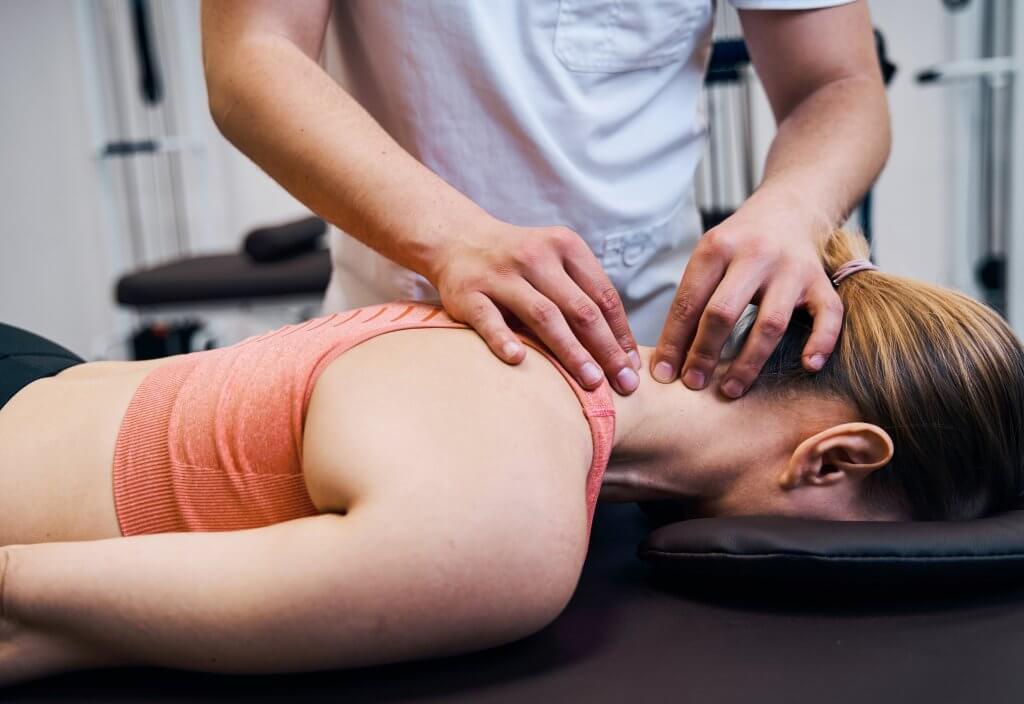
point(905, 556)
point(271, 244)
point(221, 277)
point(630, 636)
point(25, 357)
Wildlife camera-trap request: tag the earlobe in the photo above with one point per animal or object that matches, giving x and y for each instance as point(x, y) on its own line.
point(844, 451)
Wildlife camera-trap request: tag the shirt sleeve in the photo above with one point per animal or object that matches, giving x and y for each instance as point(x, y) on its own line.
point(785, 4)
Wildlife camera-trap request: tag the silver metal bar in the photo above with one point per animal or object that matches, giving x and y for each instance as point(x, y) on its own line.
point(1015, 202)
point(969, 69)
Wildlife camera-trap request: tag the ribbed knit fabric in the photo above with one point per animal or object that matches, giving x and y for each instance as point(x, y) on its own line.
point(213, 440)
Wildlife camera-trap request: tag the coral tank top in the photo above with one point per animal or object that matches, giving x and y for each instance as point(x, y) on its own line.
point(213, 440)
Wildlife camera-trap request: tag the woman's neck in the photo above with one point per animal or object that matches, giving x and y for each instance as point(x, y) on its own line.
point(665, 440)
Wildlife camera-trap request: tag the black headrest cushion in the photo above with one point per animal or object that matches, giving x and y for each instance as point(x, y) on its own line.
point(926, 555)
point(278, 242)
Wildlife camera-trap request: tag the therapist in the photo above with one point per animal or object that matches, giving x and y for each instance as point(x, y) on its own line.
point(536, 157)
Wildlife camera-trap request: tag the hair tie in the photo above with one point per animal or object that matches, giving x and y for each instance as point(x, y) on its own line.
point(852, 267)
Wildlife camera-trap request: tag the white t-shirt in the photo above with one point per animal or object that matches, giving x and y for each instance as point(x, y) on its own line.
point(583, 113)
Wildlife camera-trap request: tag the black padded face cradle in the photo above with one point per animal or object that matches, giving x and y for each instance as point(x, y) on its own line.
point(927, 555)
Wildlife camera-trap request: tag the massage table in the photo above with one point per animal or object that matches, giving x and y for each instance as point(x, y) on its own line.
point(635, 633)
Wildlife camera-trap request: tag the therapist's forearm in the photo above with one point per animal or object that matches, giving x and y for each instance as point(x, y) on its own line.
point(827, 152)
point(283, 111)
point(273, 101)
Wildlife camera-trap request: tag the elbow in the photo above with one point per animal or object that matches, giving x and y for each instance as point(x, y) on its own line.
point(535, 587)
point(544, 612)
point(886, 130)
point(225, 70)
point(220, 56)
point(538, 604)
point(515, 612)
point(505, 593)
point(220, 99)
point(875, 97)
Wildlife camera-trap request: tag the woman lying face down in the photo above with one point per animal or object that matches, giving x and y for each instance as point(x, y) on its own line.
point(329, 496)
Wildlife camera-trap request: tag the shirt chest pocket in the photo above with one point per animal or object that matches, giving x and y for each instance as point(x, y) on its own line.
point(609, 36)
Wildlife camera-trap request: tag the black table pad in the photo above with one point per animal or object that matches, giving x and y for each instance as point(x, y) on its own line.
point(630, 635)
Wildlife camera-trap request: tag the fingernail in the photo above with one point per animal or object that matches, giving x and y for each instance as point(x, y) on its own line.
point(510, 349)
point(733, 388)
point(628, 380)
point(817, 361)
point(590, 373)
point(634, 359)
point(694, 379)
point(663, 372)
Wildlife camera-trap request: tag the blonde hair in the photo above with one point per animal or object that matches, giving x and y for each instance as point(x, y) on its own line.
point(942, 373)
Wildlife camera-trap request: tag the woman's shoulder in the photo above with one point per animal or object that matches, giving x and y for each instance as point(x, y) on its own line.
point(431, 412)
point(481, 465)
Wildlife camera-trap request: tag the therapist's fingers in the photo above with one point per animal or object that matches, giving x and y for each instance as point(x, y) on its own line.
point(480, 313)
point(500, 262)
point(824, 304)
point(773, 315)
point(588, 323)
point(546, 320)
point(736, 290)
point(703, 273)
point(586, 271)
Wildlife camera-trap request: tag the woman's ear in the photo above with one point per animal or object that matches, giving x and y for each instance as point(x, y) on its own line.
point(842, 452)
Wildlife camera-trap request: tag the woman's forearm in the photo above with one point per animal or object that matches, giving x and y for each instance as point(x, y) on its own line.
point(232, 601)
point(282, 110)
point(300, 595)
point(319, 592)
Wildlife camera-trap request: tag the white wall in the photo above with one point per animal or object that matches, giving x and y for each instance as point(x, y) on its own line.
point(56, 268)
point(911, 218)
point(53, 274)
point(1015, 267)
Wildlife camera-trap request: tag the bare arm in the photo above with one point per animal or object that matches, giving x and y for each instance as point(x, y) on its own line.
point(269, 96)
point(821, 74)
point(272, 99)
point(319, 592)
point(829, 102)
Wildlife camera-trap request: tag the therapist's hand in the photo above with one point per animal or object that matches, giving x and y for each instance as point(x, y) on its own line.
point(763, 256)
point(551, 281)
